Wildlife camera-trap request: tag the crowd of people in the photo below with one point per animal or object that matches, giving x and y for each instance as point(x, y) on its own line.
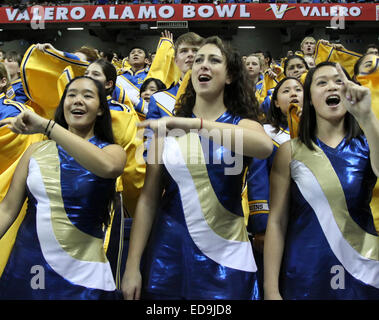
point(193, 172)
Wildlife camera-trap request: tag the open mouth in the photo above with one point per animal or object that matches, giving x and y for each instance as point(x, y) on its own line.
point(294, 101)
point(77, 112)
point(204, 78)
point(333, 100)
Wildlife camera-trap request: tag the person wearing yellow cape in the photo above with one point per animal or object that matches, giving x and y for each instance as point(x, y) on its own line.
point(163, 68)
point(286, 98)
point(12, 147)
point(366, 72)
point(14, 89)
point(326, 51)
point(254, 65)
point(55, 70)
point(69, 182)
point(294, 66)
point(199, 247)
point(320, 222)
point(163, 103)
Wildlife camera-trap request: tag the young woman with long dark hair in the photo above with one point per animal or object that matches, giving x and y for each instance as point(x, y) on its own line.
point(199, 248)
point(69, 181)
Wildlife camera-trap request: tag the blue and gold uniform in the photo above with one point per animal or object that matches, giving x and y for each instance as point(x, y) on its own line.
point(12, 147)
point(131, 82)
point(162, 103)
point(51, 68)
point(16, 92)
point(258, 188)
point(62, 231)
point(163, 68)
point(330, 229)
point(199, 246)
point(62, 69)
point(265, 105)
point(370, 79)
point(258, 182)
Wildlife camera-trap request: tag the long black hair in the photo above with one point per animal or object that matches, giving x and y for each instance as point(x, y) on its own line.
point(109, 71)
point(103, 123)
point(275, 115)
point(238, 99)
point(307, 126)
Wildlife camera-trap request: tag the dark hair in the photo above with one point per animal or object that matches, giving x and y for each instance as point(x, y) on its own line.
point(102, 130)
point(159, 83)
point(151, 56)
point(109, 71)
point(267, 55)
point(358, 64)
point(372, 45)
point(14, 56)
point(295, 56)
point(238, 99)
point(103, 123)
point(274, 115)
point(108, 56)
point(307, 126)
point(141, 48)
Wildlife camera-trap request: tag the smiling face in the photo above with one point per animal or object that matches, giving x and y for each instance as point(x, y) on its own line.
point(150, 89)
point(81, 107)
point(326, 97)
point(209, 73)
point(291, 91)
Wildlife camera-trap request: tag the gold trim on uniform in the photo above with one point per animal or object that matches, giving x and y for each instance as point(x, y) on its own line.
point(75, 242)
point(363, 242)
point(223, 222)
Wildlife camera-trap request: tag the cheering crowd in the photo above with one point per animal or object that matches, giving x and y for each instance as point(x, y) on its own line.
point(189, 173)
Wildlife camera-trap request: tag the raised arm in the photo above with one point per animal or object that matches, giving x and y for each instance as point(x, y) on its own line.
point(357, 100)
point(164, 67)
point(108, 162)
point(277, 221)
point(48, 46)
point(248, 135)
